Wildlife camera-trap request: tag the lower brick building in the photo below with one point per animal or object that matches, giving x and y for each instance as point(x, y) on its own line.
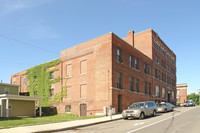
point(181, 93)
point(110, 70)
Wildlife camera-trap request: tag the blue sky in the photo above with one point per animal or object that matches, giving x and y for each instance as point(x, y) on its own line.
point(55, 25)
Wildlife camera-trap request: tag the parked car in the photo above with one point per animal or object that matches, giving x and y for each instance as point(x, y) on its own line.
point(165, 107)
point(140, 110)
point(189, 103)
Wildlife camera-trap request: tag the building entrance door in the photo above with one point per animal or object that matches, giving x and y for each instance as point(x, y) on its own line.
point(168, 98)
point(119, 103)
point(83, 109)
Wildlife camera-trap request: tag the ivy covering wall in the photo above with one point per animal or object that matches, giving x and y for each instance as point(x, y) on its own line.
point(40, 82)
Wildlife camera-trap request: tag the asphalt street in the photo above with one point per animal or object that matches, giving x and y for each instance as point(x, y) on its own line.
point(181, 120)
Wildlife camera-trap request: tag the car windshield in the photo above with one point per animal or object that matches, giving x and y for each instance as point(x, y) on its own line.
point(161, 105)
point(137, 105)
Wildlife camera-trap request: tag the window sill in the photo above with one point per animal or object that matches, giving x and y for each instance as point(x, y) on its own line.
point(68, 77)
point(68, 99)
point(82, 98)
point(83, 74)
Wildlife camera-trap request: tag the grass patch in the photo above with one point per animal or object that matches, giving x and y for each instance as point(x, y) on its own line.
point(14, 122)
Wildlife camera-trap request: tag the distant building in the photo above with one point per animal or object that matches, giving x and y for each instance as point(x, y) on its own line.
point(181, 94)
point(13, 105)
point(110, 70)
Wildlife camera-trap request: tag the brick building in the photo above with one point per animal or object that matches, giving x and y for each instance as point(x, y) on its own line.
point(181, 93)
point(109, 70)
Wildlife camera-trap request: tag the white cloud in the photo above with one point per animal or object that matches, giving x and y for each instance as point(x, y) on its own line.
point(10, 6)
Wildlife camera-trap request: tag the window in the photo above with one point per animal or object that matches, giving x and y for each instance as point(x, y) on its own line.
point(156, 73)
point(25, 81)
point(149, 88)
point(131, 59)
point(145, 87)
point(119, 80)
point(163, 92)
point(136, 64)
point(169, 80)
point(68, 109)
point(178, 92)
point(145, 68)
point(156, 58)
point(52, 75)
point(69, 93)
point(69, 70)
point(119, 55)
point(51, 92)
point(157, 91)
point(178, 100)
point(137, 84)
point(149, 69)
point(172, 94)
point(83, 67)
point(131, 83)
point(83, 91)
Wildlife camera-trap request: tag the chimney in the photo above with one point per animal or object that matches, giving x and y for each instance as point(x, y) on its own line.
point(130, 38)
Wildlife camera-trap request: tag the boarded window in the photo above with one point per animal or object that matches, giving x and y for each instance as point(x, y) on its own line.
point(83, 91)
point(69, 70)
point(69, 92)
point(68, 108)
point(83, 66)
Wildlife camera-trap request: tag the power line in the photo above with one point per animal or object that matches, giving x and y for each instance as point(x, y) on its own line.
point(28, 44)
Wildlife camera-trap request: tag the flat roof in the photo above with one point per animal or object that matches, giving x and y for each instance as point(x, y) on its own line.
point(18, 97)
point(9, 84)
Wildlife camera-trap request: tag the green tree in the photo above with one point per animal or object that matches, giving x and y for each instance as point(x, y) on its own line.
point(194, 97)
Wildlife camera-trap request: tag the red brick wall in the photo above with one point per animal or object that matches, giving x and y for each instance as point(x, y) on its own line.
point(100, 78)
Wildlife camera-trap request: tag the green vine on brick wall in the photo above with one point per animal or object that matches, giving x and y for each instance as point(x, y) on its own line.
point(40, 82)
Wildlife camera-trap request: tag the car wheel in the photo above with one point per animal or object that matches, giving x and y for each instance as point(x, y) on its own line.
point(141, 116)
point(125, 118)
point(154, 113)
point(165, 111)
point(172, 109)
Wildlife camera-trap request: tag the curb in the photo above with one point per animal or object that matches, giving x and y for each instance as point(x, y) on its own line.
point(73, 127)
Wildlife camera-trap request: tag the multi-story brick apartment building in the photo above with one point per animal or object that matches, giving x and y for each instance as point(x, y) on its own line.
point(109, 70)
point(181, 95)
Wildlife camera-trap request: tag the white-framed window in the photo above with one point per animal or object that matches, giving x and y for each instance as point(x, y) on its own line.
point(25, 81)
point(131, 61)
point(69, 70)
point(172, 94)
point(157, 91)
point(178, 92)
point(119, 55)
point(83, 67)
point(68, 109)
point(163, 92)
point(52, 75)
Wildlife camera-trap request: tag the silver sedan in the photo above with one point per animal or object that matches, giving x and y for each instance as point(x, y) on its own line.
point(165, 107)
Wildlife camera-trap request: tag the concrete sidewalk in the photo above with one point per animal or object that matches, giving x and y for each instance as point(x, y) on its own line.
point(60, 126)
